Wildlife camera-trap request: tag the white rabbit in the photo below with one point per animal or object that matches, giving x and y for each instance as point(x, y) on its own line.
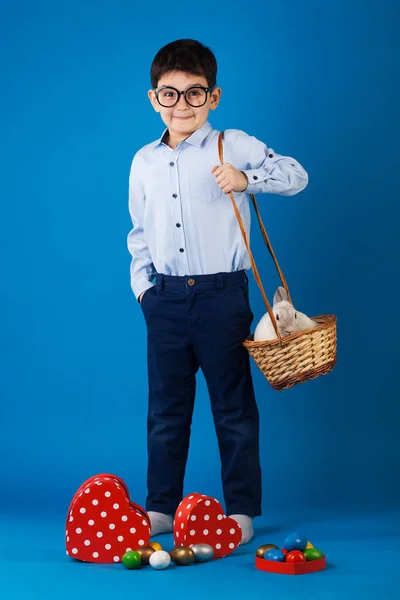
point(288, 319)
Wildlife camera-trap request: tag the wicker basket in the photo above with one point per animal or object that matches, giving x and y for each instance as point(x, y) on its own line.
point(300, 356)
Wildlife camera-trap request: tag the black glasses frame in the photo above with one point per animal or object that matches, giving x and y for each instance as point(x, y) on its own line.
point(184, 92)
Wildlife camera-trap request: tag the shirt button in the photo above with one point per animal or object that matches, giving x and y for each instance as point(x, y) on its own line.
point(181, 250)
point(255, 177)
point(174, 195)
point(178, 224)
point(171, 164)
point(270, 155)
point(191, 281)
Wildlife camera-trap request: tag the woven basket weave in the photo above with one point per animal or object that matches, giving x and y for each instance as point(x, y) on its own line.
point(300, 356)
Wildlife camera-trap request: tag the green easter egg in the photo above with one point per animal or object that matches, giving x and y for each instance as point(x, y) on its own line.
point(131, 559)
point(313, 554)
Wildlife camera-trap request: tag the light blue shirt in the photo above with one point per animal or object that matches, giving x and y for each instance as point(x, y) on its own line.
point(183, 223)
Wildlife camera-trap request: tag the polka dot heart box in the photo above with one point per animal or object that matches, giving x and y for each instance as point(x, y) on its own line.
point(102, 522)
point(201, 519)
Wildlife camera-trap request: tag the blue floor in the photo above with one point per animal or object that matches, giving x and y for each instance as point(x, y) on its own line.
point(362, 552)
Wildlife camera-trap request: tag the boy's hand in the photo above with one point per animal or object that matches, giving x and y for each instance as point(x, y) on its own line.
point(230, 179)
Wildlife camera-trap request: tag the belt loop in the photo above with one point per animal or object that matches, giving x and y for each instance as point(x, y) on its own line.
point(160, 283)
point(245, 276)
point(220, 283)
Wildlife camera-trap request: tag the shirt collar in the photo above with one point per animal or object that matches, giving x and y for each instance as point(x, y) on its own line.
point(196, 139)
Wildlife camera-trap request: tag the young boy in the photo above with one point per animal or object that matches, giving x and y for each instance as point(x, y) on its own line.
point(188, 271)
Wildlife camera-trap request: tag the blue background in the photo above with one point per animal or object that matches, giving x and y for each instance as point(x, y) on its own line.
point(317, 81)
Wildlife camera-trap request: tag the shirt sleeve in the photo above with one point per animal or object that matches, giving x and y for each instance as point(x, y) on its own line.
point(267, 172)
point(142, 268)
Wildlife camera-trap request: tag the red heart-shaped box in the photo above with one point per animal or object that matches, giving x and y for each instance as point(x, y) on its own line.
point(102, 522)
point(201, 519)
point(285, 568)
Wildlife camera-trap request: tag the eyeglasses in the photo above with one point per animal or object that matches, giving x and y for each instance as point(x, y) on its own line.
point(195, 96)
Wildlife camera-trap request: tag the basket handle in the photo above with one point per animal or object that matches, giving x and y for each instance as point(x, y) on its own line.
point(247, 244)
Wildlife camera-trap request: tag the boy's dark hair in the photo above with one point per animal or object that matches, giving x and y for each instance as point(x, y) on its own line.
point(189, 56)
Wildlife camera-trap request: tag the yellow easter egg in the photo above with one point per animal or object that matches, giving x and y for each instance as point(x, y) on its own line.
point(155, 545)
point(309, 545)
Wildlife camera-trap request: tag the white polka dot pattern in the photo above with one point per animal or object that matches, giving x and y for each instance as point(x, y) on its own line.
point(103, 518)
point(202, 520)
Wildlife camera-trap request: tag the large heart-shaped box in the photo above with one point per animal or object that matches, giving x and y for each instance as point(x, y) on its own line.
point(102, 523)
point(201, 519)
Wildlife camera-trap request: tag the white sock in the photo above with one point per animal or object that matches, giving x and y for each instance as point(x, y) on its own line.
point(160, 523)
point(246, 524)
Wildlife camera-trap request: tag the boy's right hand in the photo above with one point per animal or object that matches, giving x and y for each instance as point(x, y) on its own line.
point(141, 296)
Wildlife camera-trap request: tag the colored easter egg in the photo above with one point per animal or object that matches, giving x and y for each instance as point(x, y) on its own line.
point(145, 553)
point(155, 545)
point(309, 545)
point(182, 556)
point(275, 554)
point(295, 541)
point(262, 550)
point(131, 559)
point(284, 551)
point(160, 560)
point(203, 552)
point(313, 554)
point(295, 556)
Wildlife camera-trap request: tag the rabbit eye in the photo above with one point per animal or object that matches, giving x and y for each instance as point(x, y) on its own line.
point(277, 317)
point(295, 315)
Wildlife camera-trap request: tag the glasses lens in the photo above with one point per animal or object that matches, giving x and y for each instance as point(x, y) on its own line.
point(196, 96)
point(167, 96)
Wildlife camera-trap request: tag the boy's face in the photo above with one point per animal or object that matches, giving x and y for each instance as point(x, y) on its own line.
point(182, 119)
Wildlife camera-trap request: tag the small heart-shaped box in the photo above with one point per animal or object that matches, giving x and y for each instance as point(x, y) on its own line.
point(201, 519)
point(102, 523)
point(284, 568)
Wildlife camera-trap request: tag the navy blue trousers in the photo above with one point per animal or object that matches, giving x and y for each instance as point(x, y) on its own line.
point(194, 322)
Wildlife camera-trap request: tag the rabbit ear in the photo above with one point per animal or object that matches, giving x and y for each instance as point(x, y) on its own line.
point(280, 295)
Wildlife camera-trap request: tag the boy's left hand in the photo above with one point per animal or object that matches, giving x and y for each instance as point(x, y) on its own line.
point(230, 179)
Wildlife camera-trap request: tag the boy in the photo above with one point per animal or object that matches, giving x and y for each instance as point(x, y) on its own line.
point(188, 272)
